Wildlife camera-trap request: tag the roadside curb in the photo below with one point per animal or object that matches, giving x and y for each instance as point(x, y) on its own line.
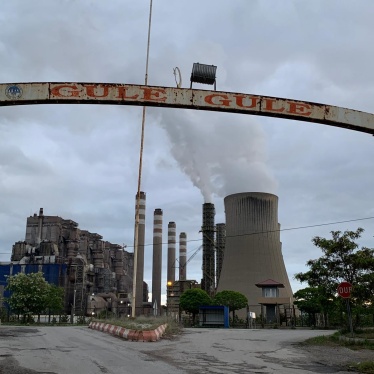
point(132, 335)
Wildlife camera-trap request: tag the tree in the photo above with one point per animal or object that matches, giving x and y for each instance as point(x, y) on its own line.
point(312, 301)
point(232, 299)
point(191, 300)
point(55, 299)
point(29, 294)
point(342, 261)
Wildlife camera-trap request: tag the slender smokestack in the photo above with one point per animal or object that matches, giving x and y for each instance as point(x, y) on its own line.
point(140, 258)
point(157, 261)
point(171, 252)
point(40, 226)
point(182, 256)
point(208, 280)
point(221, 242)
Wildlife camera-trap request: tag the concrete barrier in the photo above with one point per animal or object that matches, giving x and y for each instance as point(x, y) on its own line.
point(133, 335)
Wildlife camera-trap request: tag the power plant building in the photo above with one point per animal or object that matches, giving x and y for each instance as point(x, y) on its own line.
point(96, 274)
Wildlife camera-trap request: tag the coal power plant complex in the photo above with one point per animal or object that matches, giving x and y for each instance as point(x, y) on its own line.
point(242, 254)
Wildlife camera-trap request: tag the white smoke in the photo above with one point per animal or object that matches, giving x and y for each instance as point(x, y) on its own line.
point(221, 153)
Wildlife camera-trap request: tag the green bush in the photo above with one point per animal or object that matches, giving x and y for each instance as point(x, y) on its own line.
point(64, 318)
point(81, 320)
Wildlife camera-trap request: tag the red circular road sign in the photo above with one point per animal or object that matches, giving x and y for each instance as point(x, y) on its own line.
point(345, 289)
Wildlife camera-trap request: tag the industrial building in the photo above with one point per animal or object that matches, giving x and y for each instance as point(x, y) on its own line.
point(96, 274)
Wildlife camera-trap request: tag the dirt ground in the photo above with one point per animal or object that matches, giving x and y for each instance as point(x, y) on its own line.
point(336, 356)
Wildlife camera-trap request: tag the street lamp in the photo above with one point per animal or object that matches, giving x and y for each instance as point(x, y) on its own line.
point(205, 74)
point(169, 294)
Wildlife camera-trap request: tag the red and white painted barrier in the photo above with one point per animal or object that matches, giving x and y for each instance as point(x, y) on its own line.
point(133, 335)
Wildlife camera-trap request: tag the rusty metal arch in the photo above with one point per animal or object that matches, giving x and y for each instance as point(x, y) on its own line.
point(185, 98)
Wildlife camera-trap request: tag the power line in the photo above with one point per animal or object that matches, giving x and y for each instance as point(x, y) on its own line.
point(263, 232)
point(278, 230)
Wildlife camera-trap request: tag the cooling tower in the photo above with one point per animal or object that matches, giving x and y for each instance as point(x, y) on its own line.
point(140, 255)
point(171, 252)
point(182, 256)
point(157, 259)
point(208, 280)
point(253, 248)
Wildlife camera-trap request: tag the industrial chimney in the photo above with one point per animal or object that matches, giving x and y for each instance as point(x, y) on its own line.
point(207, 229)
point(157, 261)
point(171, 252)
point(220, 247)
point(40, 226)
point(140, 254)
point(182, 256)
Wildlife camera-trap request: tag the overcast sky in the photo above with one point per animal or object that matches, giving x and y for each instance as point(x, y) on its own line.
point(80, 162)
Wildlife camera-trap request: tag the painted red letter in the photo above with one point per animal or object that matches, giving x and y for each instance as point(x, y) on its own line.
point(56, 91)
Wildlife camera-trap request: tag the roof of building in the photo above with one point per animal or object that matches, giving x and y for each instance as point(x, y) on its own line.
point(270, 283)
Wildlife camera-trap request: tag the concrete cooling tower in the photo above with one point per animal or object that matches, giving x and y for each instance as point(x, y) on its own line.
point(253, 252)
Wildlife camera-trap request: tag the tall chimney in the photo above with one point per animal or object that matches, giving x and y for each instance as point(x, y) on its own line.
point(171, 252)
point(182, 256)
point(40, 226)
point(157, 261)
point(140, 255)
point(221, 242)
point(208, 280)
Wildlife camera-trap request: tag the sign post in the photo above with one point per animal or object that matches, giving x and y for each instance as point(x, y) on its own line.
point(344, 291)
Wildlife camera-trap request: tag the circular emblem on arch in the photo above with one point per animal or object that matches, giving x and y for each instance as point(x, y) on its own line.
point(13, 91)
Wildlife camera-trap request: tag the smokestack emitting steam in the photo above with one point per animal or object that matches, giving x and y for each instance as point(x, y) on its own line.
point(208, 280)
point(140, 255)
point(157, 260)
point(182, 256)
point(171, 252)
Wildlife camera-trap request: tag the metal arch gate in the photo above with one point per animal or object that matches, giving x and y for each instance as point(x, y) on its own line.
point(129, 94)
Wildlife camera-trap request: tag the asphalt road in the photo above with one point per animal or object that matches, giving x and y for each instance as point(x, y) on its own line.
point(71, 350)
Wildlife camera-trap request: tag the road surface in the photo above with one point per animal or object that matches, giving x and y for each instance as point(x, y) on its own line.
point(79, 350)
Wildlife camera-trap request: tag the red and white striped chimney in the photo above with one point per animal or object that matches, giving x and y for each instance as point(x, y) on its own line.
point(182, 256)
point(157, 261)
point(171, 252)
point(140, 254)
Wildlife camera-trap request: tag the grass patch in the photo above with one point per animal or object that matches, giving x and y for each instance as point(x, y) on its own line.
point(333, 340)
point(366, 367)
point(324, 340)
point(362, 333)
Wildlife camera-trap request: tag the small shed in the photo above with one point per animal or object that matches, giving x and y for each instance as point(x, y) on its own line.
point(214, 316)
